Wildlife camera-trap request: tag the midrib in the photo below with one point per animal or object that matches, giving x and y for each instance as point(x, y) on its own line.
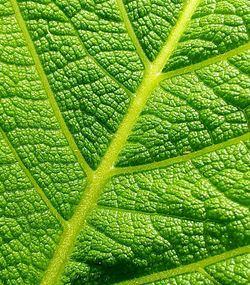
point(103, 172)
point(101, 175)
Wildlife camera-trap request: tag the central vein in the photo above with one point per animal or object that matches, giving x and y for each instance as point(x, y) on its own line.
point(102, 174)
point(92, 192)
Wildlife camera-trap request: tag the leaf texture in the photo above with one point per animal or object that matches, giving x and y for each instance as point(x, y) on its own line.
point(124, 142)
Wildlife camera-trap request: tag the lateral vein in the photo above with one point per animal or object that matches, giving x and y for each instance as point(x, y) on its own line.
point(186, 268)
point(181, 158)
point(206, 63)
point(48, 90)
point(33, 181)
point(131, 33)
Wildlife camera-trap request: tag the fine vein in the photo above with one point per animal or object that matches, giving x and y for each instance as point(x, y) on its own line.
point(32, 180)
point(187, 268)
point(48, 90)
point(151, 214)
point(208, 276)
point(101, 175)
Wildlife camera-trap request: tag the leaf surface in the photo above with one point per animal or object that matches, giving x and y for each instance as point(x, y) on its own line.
point(124, 142)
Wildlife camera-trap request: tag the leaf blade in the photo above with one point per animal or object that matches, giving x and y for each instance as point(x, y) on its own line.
point(101, 228)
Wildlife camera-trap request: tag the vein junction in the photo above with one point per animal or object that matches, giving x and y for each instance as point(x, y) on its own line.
point(101, 175)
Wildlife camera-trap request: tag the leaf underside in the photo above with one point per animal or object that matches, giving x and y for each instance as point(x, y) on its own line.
point(124, 142)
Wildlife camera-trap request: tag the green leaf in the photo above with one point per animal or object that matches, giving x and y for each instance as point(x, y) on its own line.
point(124, 142)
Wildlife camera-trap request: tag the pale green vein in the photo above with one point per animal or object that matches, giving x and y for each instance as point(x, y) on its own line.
point(206, 63)
point(131, 33)
point(48, 90)
point(101, 175)
point(33, 182)
point(182, 158)
point(187, 268)
point(105, 71)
